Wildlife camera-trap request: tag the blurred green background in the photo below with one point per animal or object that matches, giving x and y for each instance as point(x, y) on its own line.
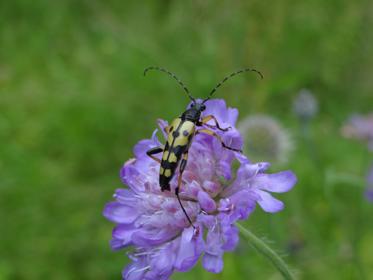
point(73, 102)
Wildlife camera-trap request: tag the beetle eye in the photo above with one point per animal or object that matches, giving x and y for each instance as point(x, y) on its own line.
point(203, 107)
point(192, 105)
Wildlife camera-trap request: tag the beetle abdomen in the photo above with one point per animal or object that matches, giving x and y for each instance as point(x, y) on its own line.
point(178, 142)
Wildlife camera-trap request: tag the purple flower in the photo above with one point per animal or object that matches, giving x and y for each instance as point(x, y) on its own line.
point(361, 128)
point(265, 138)
point(305, 105)
point(214, 196)
point(369, 190)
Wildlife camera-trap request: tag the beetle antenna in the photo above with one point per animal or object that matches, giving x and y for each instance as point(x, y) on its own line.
point(230, 76)
point(173, 76)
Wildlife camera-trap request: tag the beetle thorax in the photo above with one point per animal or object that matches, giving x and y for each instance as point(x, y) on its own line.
point(194, 112)
point(191, 114)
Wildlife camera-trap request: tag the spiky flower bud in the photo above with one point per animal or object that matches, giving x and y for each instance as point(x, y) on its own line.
point(305, 105)
point(265, 139)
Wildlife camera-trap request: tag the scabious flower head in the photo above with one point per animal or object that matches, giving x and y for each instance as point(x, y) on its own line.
point(305, 105)
point(214, 196)
point(360, 127)
point(265, 139)
point(369, 189)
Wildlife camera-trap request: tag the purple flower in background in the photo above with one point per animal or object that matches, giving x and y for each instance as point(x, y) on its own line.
point(305, 105)
point(361, 128)
point(369, 190)
point(265, 138)
point(214, 196)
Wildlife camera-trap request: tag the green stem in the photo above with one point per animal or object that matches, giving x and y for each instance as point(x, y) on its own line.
point(263, 248)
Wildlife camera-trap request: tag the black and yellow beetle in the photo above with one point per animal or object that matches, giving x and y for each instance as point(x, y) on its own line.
point(180, 134)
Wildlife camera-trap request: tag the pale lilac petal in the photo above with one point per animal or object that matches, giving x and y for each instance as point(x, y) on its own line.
point(229, 233)
point(119, 213)
point(143, 146)
point(162, 125)
point(214, 240)
point(163, 261)
point(123, 233)
point(243, 203)
point(247, 171)
point(191, 246)
point(232, 139)
point(211, 187)
point(232, 116)
point(131, 176)
point(277, 182)
point(206, 202)
point(269, 203)
point(150, 237)
point(125, 196)
point(135, 271)
point(116, 244)
point(207, 221)
point(224, 169)
point(212, 263)
point(218, 108)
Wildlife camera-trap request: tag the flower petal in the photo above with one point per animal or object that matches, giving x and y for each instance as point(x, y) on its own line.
point(151, 237)
point(269, 203)
point(116, 244)
point(211, 187)
point(119, 213)
point(143, 146)
point(135, 270)
point(206, 202)
point(218, 108)
point(163, 261)
point(130, 176)
point(212, 263)
point(278, 182)
point(191, 246)
point(125, 196)
point(123, 233)
point(230, 234)
point(162, 125)
point(209, 221)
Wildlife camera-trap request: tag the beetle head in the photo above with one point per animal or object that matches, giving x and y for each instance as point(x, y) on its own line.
point(198, 106)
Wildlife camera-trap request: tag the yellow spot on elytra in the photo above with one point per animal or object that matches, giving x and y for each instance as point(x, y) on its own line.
point(181, 141)
point(161, 170)
point(167, 173)
point(172, 158)
point(165, 155)
point(175, 123)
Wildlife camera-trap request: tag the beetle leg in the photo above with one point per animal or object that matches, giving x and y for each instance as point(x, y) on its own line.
point(181, 169)
point(154, 151)
point(212, 133)
point(206, 119)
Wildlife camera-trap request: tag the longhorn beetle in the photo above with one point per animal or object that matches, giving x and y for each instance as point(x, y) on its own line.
point(181, 132)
